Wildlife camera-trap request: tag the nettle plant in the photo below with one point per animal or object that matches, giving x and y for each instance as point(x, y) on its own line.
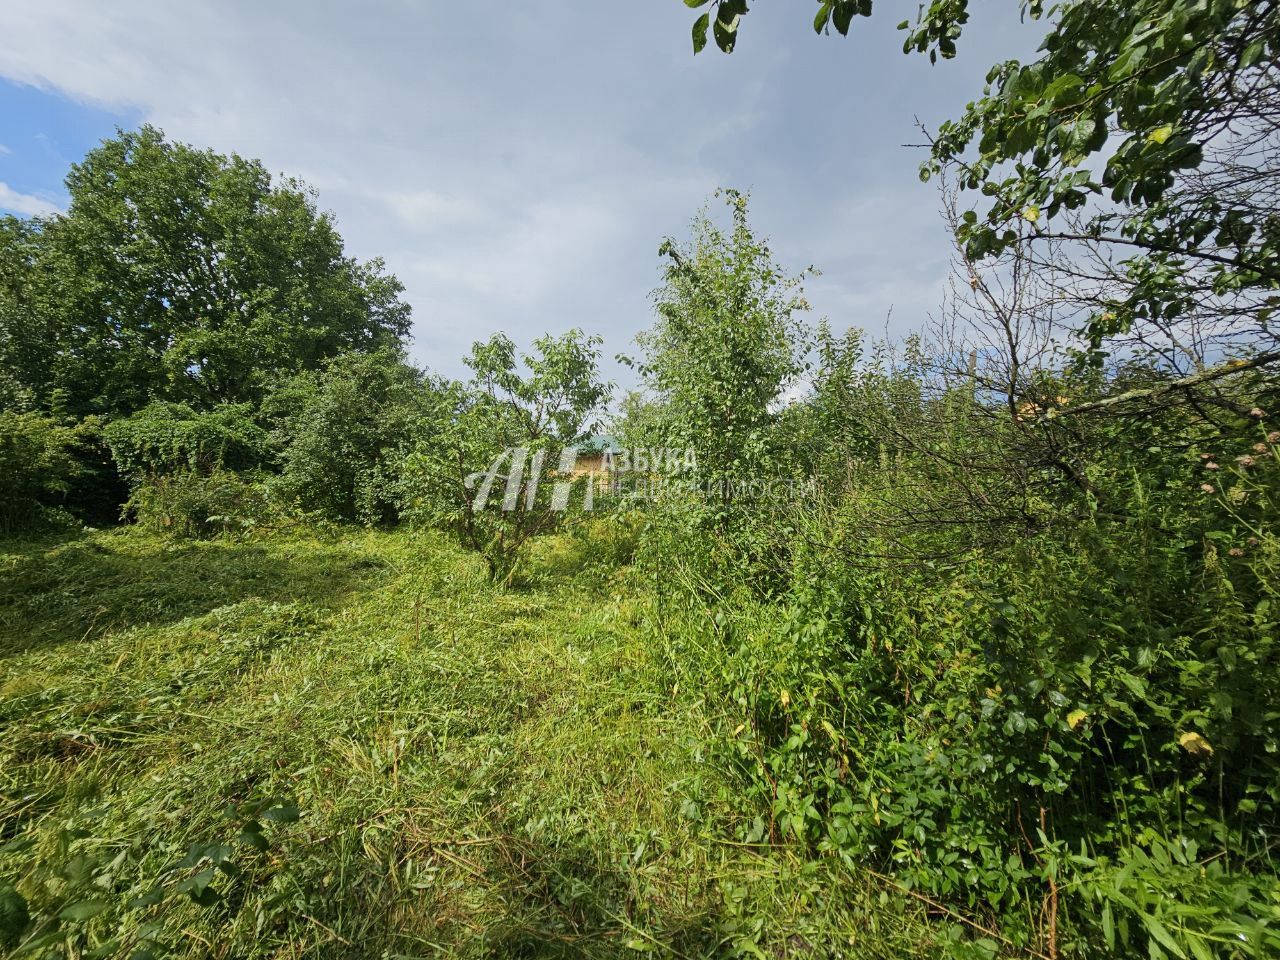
point(503, 431)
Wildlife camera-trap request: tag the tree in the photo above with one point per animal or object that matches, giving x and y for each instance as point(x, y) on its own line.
point(726, 345)
point(343, 432)
point(499, 436)
point(1144, 138)
point(182, 275)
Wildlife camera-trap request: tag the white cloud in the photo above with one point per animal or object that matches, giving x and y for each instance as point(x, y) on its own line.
point(4, 151)
point(518, 172)
point(24, 203)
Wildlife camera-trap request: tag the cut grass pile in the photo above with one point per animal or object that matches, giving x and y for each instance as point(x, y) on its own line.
point(357, 746)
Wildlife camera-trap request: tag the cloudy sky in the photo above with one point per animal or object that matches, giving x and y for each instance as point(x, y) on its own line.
point(518, 165)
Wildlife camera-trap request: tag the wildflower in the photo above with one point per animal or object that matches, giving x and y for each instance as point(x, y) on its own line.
point(1206, 456)
point(1260, 448)
point(1273, 436)
point(1257, 413)
point(1251, 542)
point(1207, 487)
point(1235, 552)
point(1211, 465)
point(1195, 744)
point(1246, 461)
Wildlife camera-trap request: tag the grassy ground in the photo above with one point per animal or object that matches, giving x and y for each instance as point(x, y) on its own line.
point(356, 746)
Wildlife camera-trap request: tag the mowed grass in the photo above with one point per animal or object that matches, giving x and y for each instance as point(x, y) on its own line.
point(356, 746)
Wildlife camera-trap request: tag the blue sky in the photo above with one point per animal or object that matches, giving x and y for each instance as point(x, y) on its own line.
point(42, 133)
point(518, 172)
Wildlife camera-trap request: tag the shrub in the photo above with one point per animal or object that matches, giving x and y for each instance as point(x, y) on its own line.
point(38, 463)
point(164, 438)
point(344, 431)
point(519, 410)
point(189, 503)
point(1071, 736)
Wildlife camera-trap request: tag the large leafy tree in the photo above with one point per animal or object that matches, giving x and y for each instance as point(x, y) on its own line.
point(1138, 151)
point(182, 275)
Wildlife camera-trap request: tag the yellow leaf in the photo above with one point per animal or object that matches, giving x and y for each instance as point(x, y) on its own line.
point(1075, 718)
point(1031, 214)
point(739, 729)
point(1160, 134)
point(1195, 745)
point(785, 698)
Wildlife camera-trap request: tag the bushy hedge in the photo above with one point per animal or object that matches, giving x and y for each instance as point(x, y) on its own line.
point(166, 438)
point(189, 503)
point(38, 464)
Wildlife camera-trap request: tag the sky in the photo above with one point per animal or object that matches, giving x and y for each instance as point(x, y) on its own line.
point(518, 166)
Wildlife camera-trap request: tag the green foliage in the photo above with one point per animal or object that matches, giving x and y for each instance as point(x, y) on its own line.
point(14, 916)
point(1165, 109)
point(197, 503)
point(482, 474)
point(343, 432)
point(38, 464)
point(726, 346)
point(1148, 87)
point(1071, 721)
point(165, 438)
point(179, 275)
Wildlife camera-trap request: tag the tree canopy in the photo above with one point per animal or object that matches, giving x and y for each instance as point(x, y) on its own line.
point(182, 275)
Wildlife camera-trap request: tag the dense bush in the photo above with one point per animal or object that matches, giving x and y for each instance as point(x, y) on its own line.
point(39, 461)
point(1065, 726)
point(166, 438)
point(198, 504)
point(343, 432)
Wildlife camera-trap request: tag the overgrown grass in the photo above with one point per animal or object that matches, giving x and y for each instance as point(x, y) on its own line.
point(358, 746)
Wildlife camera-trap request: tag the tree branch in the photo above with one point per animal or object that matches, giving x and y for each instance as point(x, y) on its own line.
point(1151, 393)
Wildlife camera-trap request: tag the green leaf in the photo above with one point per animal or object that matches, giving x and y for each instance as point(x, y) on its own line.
point(1160, 933)
point(83, 911)
point(823, 17)
point(1082, 134)
point(700, 32)
point(726, 34)
point(286, 813)
point(843, 16)
point(14, 915)
point(254, 838)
